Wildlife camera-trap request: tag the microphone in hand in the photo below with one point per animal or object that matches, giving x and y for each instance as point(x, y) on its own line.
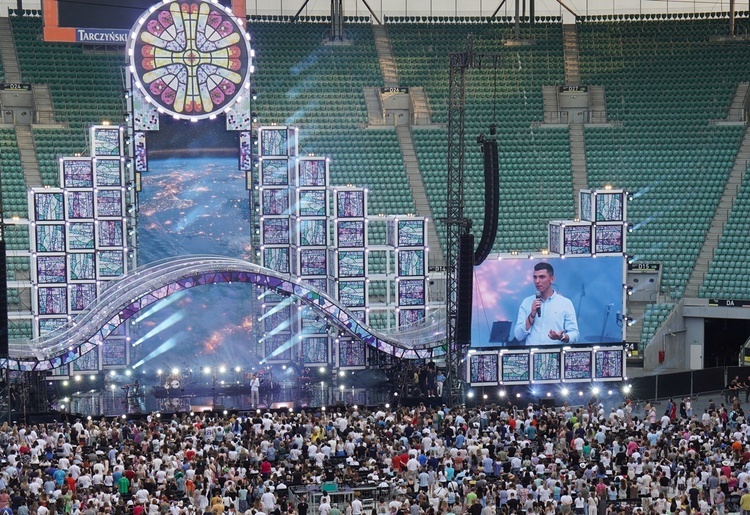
point(539, 308)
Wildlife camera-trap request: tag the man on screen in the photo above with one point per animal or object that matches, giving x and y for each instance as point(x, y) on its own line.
point(546, 318)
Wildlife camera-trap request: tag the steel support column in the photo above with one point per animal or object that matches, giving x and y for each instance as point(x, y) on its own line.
point(456, 224)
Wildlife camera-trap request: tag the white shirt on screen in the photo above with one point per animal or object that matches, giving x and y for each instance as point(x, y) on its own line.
point(558, 314)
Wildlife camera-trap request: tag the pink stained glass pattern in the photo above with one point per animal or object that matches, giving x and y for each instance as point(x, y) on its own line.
point(191, 58)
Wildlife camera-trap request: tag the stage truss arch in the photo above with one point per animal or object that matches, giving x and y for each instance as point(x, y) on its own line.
point(146, 285)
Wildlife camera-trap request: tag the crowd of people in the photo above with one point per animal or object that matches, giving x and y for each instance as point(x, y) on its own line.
point(487, 460)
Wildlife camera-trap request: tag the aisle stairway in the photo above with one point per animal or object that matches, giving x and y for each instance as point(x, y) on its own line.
point(385, 56)
point(577, 160)
point(8, 52)
point(29, 161)
point(719, 220)
point(416, 183)
point(570, 46)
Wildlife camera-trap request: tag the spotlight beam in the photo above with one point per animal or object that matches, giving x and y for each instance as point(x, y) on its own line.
point(161, 305)
point(281, 305)
point(161, 349)
point(169, 322)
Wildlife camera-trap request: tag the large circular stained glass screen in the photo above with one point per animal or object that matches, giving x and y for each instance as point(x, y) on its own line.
point(190, 58)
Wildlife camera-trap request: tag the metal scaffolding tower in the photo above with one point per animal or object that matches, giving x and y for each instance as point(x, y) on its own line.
point(456, 223)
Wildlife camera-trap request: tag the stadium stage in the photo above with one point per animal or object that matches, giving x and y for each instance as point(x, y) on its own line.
point(231, 398)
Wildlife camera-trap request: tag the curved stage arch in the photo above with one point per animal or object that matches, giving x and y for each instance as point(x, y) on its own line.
point(146, 285)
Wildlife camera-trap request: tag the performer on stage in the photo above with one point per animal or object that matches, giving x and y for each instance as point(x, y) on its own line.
point(254, 390)
point(546, 318)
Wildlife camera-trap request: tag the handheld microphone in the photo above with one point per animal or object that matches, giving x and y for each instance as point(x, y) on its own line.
point(539, 309)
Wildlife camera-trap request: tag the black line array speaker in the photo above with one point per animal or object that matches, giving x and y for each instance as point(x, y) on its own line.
point(491, 200)
point(464, 291)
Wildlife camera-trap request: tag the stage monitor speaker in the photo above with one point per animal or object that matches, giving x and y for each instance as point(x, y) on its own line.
point(283, 405)
point(465, 287)
point(3, 302)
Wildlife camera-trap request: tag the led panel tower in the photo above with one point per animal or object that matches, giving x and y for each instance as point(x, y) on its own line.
point(350, 259)
point(81, 238)
point(277, 164)
point(312, 220)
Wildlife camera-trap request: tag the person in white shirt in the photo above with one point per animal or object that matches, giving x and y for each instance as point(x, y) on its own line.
point(324, 508)
point(254, 390)
point(84, 481)
point(268, 501)
point(356, 505)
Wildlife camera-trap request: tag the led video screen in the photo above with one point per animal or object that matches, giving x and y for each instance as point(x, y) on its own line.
point(587, 303)
point(194, 201)
point(312, 172)
point(315, 350)
point(483, 369)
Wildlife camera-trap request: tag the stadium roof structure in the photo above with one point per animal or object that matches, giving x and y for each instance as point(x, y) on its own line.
point(505, 8)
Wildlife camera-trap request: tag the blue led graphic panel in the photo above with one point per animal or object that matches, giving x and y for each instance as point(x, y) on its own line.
point(80, 205)
point(411, 263)
point(350, 204)
point(577, 366)
point(81, 295)
point(111, 233)
point(273, 142)
point(515, 368)
point(52, 301)
point(411, 292)
point(313, 262)
point(411, 233)
point(276, 231)
point(351, 263)
point(313, 203)
point(483, 369)
point(274, 202)
point(313, 233)
point(77, 173)
point(608, 364)
point(82, 266)
point(114, 353)
point(276, 259)
point(50, 238)
point(409, 317)
point(111, 263)
point(49, 207)
point(351, 233)
point(108, 172)
point(274, 172)
point(50, 269)
point(109, 203)
point(315, 350)
point(312, 173)
point(352, 293)
point(546, 367)
point(80, 235)
point(106, 142)
point(352, 353)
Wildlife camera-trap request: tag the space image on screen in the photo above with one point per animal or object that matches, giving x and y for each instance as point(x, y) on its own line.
point(194, 201)
point(592, 285)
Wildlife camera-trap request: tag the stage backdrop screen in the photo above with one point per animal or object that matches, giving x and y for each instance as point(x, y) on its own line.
point(594, 287)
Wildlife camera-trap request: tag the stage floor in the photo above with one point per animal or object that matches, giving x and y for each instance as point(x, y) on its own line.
point(118, 402)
